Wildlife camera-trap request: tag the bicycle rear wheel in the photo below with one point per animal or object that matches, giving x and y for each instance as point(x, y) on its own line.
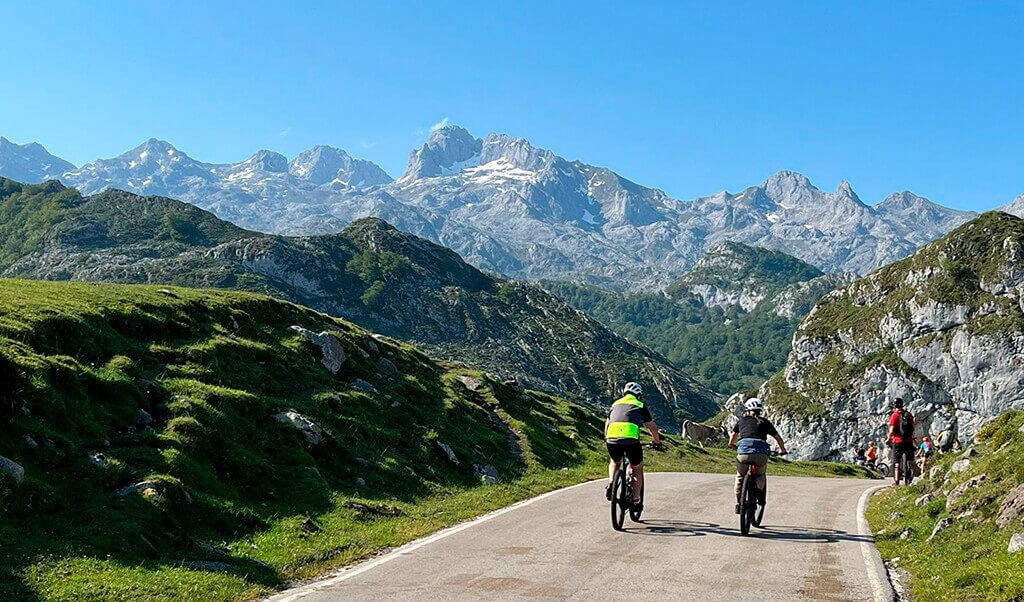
point(634, 515)
point(619, 493)
point(762, 500)
point(746, 511)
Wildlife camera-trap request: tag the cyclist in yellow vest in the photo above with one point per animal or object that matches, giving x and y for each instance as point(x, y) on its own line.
point(622, 436)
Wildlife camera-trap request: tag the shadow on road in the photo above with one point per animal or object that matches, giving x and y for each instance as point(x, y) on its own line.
point(774, 532)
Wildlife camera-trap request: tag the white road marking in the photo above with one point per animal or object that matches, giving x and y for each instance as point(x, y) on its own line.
point(877, 575)
point(303, 591)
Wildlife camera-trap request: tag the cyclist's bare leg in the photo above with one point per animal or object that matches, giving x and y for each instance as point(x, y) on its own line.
point(612, 467)
point(638, 481)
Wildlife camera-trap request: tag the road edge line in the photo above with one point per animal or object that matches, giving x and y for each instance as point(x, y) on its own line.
point(302, 591)
point(878, 575)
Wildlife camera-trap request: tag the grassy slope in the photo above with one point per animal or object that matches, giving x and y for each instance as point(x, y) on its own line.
point(235, 486)
point(967, 561)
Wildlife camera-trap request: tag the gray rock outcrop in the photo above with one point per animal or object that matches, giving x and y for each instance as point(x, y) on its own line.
point(312, 432)
point(12, 470)
point(1012, 507)
point(333, 353)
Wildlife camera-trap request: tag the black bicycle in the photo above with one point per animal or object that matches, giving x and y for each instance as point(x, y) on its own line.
point(752, 501)
point(880, 467)
point(905, 469)
point(622, 494)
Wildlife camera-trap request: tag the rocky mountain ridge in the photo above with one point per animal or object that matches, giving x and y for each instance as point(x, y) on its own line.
point(944, 329)
point(391, 282)
point(525, 212)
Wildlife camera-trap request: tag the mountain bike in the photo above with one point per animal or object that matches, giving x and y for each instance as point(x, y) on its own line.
point(880, 467)
point(622, 493)
point(904, 470)
point(752, 501)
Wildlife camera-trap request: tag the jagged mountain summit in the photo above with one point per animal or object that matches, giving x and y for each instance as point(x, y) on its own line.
point(389, 281)
point(510, 207)
point(30, 162)
point(1016, 207)
point(943, 329)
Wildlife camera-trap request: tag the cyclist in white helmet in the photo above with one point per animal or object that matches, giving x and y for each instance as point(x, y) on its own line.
point(750, 440)
point(622, 436)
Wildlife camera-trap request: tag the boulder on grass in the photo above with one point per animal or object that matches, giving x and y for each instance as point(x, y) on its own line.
point(361, 385)
point(961, 489)
point(12, 470)
point(487, 473)
point(960, 466)
point(940, 526)
point(330, 345)
point(310, 430)
point(447, 449)
point(1011, 508)
point(1016, 543)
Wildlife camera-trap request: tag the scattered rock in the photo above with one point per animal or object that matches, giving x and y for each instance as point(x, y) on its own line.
point(964, 515)
point(935, 472)
point(99, 460)
point(361, 385)
point(1021, 429)
point(234, 323)
point(363, 354)
point(924, 500)
point(387, 365)
point(333, 353)
point(449, 452)
point(310, 430)
point(471, 383)
point(959, 491)
point(395, 404)
point(208, 565)
point(29, 441)
point(960, 466)
point(309, 526)
point(940, 526)
point(1011, 508)
point(1016, 543)
point(259, 563)
point(377, 510)
point(487, 473)
point(411, 471)
point(143, 418)
point(205, 546)
point(907, 533)
point(360, 482)
point(515, 386)
point(11, 469)
point(145, 384)
point(168, 292)
point(373, 346)
point(895, 516)
point(970, 452)
point(363, 461)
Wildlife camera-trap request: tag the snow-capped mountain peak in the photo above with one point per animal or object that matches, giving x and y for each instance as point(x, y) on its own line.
point(30, 162)
point(449, 149)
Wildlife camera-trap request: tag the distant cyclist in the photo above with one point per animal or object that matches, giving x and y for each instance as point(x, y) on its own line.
point(750, 440)
point(622, 436)
point(901, 436)
point(871, 455)
point(927, 451)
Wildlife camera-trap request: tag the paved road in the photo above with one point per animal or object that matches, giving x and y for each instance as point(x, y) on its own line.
point(562, 547)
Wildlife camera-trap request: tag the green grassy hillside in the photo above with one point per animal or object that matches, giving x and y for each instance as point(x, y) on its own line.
point(154, 466)
point(385, 280)
point(969, 559)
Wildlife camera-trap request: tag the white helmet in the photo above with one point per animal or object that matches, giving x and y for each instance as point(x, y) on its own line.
point(753, 404)
point(633, 389)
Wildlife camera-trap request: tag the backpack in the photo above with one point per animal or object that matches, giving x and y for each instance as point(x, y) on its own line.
point(945, 439)
point(905, 425)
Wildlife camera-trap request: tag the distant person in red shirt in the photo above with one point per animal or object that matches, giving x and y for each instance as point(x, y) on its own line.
point(901, 436)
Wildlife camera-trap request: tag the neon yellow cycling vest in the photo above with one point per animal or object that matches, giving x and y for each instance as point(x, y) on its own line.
point(625, 420)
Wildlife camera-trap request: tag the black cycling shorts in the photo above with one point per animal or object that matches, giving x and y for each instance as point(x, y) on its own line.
point(633, 451)
point(902, 449)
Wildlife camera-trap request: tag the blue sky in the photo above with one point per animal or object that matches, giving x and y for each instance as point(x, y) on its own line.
point(690, 98)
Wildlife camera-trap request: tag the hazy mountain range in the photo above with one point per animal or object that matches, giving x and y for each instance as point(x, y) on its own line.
point(513, 208)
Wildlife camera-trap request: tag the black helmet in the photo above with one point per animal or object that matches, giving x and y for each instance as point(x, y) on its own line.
point(898, 403)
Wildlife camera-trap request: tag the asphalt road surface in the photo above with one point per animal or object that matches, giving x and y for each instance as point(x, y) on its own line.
point(813, 546)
